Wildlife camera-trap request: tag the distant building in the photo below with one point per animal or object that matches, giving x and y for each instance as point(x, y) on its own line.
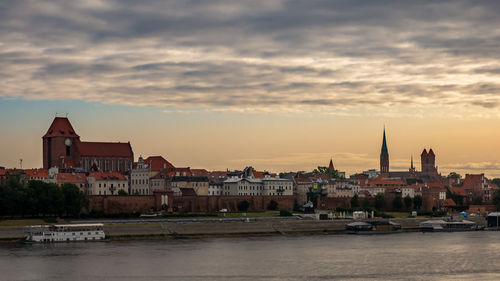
point(140, 179)
point(62, 148)
point(198, 184)
point(215, 186)
point(106, 183)
point(249, 185)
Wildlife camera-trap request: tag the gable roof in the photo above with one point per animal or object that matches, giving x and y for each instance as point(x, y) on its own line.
point(37, 173)
point(61, 127)
point(106, 149)
point(71, 178)
point(157, 163)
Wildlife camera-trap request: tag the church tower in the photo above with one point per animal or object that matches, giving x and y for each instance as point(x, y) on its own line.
point(428, 160)
point(384, 157)
point(60, 145)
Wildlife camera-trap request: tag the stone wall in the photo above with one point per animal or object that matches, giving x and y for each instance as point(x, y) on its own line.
point(143, 204)
point(122, 204)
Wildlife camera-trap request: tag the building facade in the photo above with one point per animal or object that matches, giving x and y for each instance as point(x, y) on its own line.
point(63, 148)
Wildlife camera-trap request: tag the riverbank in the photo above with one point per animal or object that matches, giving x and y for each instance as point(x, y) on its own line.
point(176, 230)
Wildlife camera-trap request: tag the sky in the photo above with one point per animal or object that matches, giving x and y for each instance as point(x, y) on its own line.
point(278, 85)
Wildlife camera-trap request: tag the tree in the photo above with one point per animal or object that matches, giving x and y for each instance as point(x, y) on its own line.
point(122, 192)
point(454, 175)
point(296, 206)
point(243, 206)
point(457, 198)
point(408, 201)
point(496, 198)
point(325, 170)
point(354, 201)
point(273, 205)
point(417, 202)
point(74, 199)
point(496, 181)
point(477, 200)
point(379, 201)
point(397, 203)
point(366, 202)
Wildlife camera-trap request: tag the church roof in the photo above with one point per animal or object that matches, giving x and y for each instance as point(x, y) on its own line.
point(106, 149)
point(384, 151)
point(61, 127)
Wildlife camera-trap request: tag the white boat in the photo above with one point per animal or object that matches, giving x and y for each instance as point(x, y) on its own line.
point(64, 232)
point(449, 226)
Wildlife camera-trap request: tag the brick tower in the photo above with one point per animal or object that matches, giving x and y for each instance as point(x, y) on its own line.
point(60, 145)
point(428, 160)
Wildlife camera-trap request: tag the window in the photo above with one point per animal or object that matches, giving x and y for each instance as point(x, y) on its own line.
point(68, 151)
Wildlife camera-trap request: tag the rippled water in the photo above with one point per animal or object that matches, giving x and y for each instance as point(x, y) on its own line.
point(406, 256)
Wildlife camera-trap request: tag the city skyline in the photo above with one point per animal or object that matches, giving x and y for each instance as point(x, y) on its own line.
point(278, 85)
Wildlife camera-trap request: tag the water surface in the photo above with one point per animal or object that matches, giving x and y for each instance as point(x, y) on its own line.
point(406, 256)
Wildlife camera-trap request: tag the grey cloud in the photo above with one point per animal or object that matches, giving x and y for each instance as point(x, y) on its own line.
point(253, 53)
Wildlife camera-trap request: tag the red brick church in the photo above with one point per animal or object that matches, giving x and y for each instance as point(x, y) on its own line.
point(62, 148)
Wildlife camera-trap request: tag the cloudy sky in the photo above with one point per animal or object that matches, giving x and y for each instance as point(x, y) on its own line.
point(280, 85)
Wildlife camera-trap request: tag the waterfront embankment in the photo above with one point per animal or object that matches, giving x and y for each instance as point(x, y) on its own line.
point(193, 229)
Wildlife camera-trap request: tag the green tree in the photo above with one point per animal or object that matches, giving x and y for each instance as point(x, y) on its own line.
point(74, 199)
point(408, 202)
point(454, 175)
point(496, 181)
point(417, 202)
point(122, 192)
point(366, 202)
point(273, 205)
point(379, 201)
point(457, 198)
point(296, 206)
point(325, 170)
point(477, 200)
point(397, 202)
point(243, 206)
point(496, 198)
point(354, 201)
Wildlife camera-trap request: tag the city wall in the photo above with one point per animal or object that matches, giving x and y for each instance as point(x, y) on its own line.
point(143, 204)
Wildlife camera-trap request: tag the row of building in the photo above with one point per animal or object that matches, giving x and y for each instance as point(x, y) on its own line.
point(104, 169)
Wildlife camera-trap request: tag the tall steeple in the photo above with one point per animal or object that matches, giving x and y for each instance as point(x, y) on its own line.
point(412, 168)
point(384, 156)
point(330, 166)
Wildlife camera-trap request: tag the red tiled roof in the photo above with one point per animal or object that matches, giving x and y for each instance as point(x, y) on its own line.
point(471, 181)
point(181, 171)
point(158, 163)
point(106, 149)
point(449, 203)
point(71, 178)
point(61, 127)
point(302, 180)
point(458, 190)
point(37, 173)
point(107, 176)
point(199, 172)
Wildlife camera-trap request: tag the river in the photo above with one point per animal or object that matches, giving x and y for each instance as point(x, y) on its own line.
point(405, 256)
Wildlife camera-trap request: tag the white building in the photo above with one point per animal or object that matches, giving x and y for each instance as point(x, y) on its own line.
point(106, 183)
point(140, 179)
point(252, 186)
